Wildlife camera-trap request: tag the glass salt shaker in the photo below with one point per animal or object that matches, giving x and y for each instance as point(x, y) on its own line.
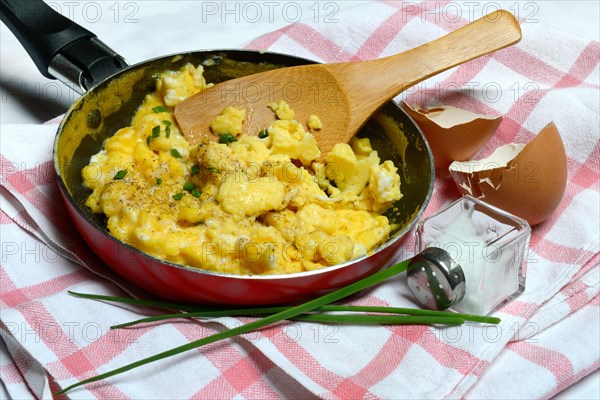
point(470, 258)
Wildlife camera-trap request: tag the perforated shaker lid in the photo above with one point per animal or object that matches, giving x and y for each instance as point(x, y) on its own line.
point(435, 279)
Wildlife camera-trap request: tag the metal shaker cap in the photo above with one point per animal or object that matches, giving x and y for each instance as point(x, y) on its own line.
point(435, 279)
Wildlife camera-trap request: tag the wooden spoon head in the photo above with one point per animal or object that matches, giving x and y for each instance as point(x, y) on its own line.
point(308, 89)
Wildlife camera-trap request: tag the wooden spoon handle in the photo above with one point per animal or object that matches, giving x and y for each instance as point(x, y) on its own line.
point(389, 76)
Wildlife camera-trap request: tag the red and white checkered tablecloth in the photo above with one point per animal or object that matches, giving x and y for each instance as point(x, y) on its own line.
point(548, 338)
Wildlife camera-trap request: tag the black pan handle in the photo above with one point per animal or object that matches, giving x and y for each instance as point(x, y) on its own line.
point(59, 47)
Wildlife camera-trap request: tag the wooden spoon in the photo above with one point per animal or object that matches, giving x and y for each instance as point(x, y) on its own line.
point(343, 95)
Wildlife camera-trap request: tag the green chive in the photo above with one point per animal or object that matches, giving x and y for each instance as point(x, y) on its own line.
point(226, 138)
point(166, 122)
point(196, 192)
point(263, 134)
point(188, 186)
point(447, 319)
point(252, 326)
point(195, 169)
point(159, 109)
point(148, 139)
point(158, 181)
point(380, 319)
point(155, 132)
point(215, 312)
point(145, 303)
point(121, 174)
point(178, 196)
point(213, 170)
point(168, 131)
point(175, 153)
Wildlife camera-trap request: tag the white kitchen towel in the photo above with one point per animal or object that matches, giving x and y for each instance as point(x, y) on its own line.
point(546, 340)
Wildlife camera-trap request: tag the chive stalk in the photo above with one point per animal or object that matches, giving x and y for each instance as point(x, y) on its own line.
point(380, 319)
point(248, 312)
point(393, 319)
point(137, 302)
point(252, 326)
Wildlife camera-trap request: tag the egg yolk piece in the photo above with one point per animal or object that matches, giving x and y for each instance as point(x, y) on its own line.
point(250, 198)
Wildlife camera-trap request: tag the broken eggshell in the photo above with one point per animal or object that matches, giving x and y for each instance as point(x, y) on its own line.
point(527, 180)
point(453, 134)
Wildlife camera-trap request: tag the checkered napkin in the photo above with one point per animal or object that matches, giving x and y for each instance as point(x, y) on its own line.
point(548, 338)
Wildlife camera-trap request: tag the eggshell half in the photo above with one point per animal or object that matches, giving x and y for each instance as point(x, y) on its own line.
point(526, 180)
point(453, 134)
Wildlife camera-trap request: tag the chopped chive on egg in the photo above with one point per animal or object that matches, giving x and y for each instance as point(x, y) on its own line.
point(263, 134)
point(121, 174)
point(175, 153)
point(196, 192)
point(167, 124)
point(195, 169)
point(158, 181)
point(178, 196)
point(188, 186)
point(159, 109)
point(155, 132)
point(226, 138)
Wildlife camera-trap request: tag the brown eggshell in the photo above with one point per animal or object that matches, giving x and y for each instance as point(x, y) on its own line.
point(453, 134)
point(530, 186)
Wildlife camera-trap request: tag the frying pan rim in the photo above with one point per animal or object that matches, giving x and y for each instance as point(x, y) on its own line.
point(274, 277)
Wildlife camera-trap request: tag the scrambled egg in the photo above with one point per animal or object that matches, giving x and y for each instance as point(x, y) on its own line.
point(266, 204)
